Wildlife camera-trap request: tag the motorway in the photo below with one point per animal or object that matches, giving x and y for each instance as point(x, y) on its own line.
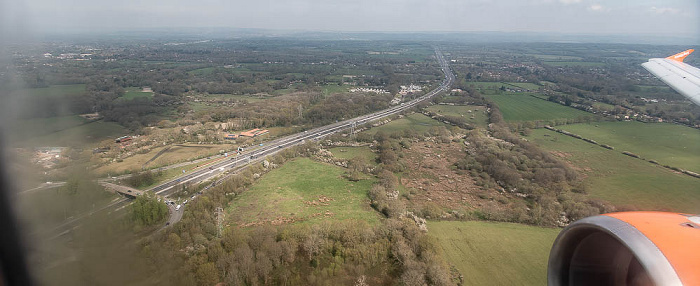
point(269, 148)
point(272, 147)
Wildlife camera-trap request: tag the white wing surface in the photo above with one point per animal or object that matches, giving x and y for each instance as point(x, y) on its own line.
point(682, 77)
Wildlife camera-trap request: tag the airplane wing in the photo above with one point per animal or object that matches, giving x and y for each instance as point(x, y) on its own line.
point(682, 77)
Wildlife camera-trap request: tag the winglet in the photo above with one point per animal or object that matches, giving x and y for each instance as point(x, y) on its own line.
point(680, 56)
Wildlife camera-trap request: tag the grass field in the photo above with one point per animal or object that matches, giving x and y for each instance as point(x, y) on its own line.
point(525, 85)
point(352, 152)
point(668, 144)
point(522, 107)
point(604, 106)
point(623, 180)
point(334, 88)
point(489, 253)
point(296, 191)
point(498, 84)
point(134, 92)
point(478, 112)
point(416, 121)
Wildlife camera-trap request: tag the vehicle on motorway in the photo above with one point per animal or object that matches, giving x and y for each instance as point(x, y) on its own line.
point(177, 208)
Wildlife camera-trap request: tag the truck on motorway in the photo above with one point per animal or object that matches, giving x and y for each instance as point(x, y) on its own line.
point(177, 208)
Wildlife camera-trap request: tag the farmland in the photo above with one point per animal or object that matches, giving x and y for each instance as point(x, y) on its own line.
point(488, 253)
point(303, 190)
point(622, 180)
point(522, 107)
point(668, 144)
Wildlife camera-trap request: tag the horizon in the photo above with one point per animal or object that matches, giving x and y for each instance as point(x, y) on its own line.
point(676, 19)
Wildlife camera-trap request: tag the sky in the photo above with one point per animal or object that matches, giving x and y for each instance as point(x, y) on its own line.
point(648, 17)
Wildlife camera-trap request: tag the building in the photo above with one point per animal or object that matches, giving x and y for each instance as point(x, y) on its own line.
point(122, 139)
point(255, 132)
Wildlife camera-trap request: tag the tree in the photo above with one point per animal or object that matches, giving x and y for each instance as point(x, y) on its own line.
point(207, 274)
point(147, 210)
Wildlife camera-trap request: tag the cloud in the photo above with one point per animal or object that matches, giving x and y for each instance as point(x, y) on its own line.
point(664, 10)
point(596, 7)
point(569, 1)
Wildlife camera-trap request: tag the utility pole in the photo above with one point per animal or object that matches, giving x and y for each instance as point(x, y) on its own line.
point(220, 220)
point(352, 129)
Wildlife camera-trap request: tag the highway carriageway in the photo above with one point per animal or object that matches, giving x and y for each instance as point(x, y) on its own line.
point(255, 155)
point(272, 147)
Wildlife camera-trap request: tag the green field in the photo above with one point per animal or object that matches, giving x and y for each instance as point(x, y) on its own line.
point(525, 85)
point(604, 106)
point(478, 112)
point(295, 192)
point(489, 253)
point(523, 107)
point(486, 84)
point(623, 180)
point(498, 84)
point(134, 92)
point(579, 64)
point(416, 121)
point(668, 144)
point(352, 152)
point(334, 88)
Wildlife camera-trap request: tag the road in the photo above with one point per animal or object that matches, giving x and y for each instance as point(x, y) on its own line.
point(175, 215)
point(74, 222)
point(269, 148)
point(272, 147)
point(44, 186)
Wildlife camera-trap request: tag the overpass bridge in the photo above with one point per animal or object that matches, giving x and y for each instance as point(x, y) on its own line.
point(123, 190)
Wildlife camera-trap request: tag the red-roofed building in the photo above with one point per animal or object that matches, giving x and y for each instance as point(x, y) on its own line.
point(255, 132)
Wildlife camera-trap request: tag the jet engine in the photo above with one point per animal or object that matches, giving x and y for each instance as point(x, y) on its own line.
point(627, 248)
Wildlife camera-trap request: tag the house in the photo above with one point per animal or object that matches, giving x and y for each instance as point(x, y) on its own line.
point(255, 132)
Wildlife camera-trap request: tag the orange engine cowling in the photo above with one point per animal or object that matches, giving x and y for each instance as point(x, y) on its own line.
point(627, 248)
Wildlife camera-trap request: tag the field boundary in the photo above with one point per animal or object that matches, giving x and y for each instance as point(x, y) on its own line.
point(627, 153)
